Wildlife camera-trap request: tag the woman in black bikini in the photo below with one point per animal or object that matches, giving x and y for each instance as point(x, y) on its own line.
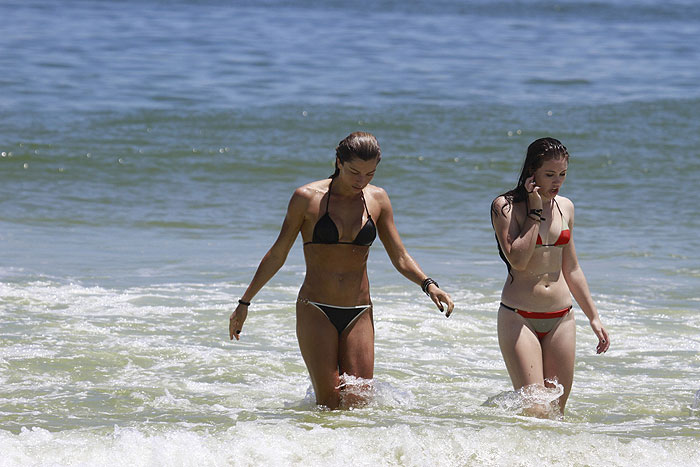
point(339, 219)
point(533, 225)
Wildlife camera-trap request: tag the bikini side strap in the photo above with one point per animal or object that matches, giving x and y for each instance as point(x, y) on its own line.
point(362, 194)
point(564, 224)
point(555, 202)
point(328, 201)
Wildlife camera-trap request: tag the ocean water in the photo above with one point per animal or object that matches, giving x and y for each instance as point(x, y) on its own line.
point(148, 152)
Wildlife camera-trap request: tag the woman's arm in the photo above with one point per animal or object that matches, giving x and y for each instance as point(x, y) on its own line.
point(576, 281)
point(273, 259)
point(517, 243)
point(402, 261)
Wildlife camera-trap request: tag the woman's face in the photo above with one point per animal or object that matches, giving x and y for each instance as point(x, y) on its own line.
point(357, 173)
point(550, 177)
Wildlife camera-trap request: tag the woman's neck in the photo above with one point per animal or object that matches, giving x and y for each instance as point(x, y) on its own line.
point(343, 191)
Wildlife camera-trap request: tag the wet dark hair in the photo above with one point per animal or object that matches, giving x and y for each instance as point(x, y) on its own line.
point(539, 151)
point(360, 145)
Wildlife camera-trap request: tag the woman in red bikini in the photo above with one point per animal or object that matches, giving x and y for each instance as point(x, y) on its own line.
point(338, 218)
point(533, 225)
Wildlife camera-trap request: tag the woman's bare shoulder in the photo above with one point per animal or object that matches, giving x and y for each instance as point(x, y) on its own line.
point(499, 202)
point(502, 206)
point(564, 199)
point(377, 194)
point(565, 203)
point(376, 191)
point(308, 195)
point(312, 189)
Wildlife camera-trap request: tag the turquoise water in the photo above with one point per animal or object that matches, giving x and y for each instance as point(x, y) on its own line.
point(148, 153)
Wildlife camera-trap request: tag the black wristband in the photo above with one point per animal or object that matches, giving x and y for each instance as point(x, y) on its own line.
point(426, 283)
point(243, 302)
point(536, 212)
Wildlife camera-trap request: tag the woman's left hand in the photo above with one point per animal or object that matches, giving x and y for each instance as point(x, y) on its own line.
point(438, 296)
point(602, 334)
point(235, 322)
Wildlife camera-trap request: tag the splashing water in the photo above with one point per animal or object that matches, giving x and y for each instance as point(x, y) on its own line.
point(534, 400)
point(695, 408)
point(358, 393)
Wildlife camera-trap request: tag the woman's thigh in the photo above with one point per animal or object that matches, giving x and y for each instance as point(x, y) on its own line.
point(558, 355)
point(356, 347)
point(520, 348)
point(318, 342)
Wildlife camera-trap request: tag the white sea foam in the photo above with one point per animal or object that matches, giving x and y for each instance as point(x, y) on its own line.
point(146, 375)
point(282, 444)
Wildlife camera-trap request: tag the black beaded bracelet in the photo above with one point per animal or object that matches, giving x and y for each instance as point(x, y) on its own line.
point(537, 212)
point(426, 283)
point(243, 302)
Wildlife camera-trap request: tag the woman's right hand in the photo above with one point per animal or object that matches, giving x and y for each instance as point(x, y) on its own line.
point(235, 322)
point(439, 296)
point(533, 193)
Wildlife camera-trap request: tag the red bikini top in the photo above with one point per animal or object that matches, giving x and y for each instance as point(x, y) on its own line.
point(564, 235)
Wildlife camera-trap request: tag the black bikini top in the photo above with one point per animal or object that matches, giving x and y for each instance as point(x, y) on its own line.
point(326, 232)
